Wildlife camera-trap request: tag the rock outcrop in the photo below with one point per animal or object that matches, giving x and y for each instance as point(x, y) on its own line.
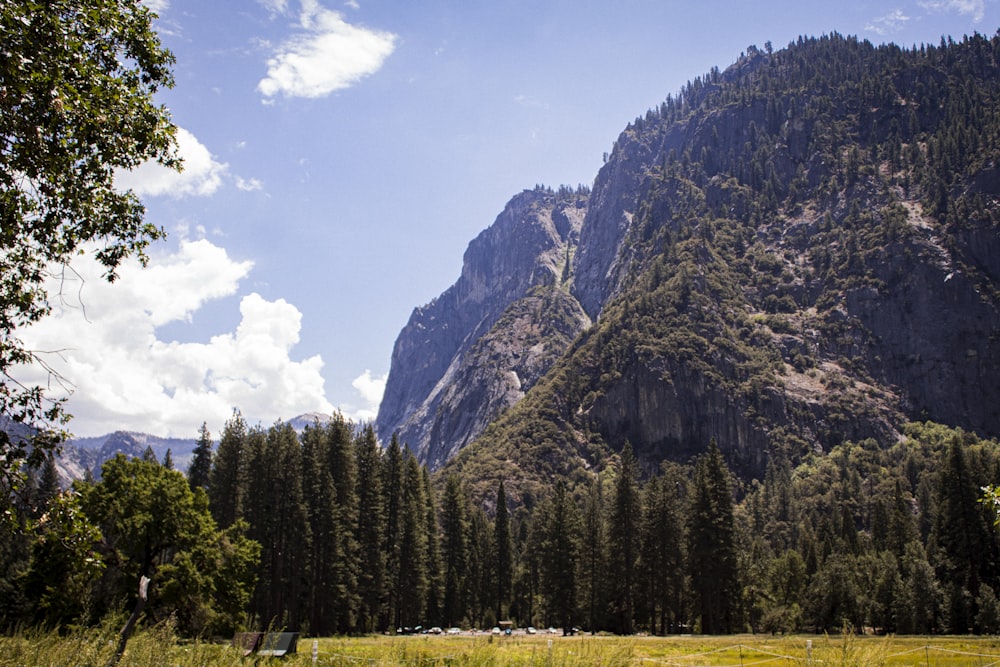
point(452, 370)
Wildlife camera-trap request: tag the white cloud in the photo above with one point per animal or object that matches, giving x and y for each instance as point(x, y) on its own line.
point(158, 6)
point(975, 8)
point(126, 377)
point(275, 6)
point(328, 54)
point(248, 184)
point(370, 389)
point(890, 23)
point(202, 174)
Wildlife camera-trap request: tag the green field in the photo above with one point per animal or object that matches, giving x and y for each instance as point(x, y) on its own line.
point(158, 647)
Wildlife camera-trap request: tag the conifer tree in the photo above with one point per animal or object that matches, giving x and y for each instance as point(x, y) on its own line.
point(503, 555)
point(200, 469)
point(624, 542)
point(478, 588)
point(558, 557)
point(320, 497)
point(593, 558)
point(962, 537)
point(392, 498)
point(411, 574)
point(369, 530)
point(226, 486)
point(454, 552)
point(279, 520)
point(340, 461)
point(435, 576)
point(662, 551)
point(711, 545)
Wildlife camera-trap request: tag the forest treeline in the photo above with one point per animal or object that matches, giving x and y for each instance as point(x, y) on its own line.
point(326, 532)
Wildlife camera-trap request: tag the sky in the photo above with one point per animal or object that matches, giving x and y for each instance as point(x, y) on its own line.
point(340, 156)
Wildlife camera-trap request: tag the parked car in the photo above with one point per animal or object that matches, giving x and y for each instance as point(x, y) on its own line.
point(531, 630)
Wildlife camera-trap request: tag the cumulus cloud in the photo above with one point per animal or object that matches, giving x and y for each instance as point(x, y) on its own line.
point(890, 23)
point(202, 174)
point(105, 341)
point(370, 388)
point(974, 8)
point(326, 55)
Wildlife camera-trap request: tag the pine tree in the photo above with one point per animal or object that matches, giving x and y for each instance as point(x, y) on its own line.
point(412, 571)
point(593, 555)
point(320, 498)
point(558, 557)
point(279, 520)
point(503, 556)
point(962, 537)
point(478, 588)
point(226, 486)
point(340, 461)
point(662, 551)
point(369, 530)
point(435, 577)
point(454, 552)
point(200, 469)
point(392, 498)
point(712, 561)
point(624, 542)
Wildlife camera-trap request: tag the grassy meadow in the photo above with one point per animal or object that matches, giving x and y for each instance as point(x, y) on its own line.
point(159, 647)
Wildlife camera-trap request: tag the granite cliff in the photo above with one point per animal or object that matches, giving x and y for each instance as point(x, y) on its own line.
point(798, 251)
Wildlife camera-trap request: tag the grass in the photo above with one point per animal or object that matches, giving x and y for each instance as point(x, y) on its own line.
point(159, 647)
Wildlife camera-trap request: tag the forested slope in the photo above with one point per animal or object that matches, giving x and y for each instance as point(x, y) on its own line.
point(794, 253)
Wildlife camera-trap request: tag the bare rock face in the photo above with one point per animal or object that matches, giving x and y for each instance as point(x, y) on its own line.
point(449, 377)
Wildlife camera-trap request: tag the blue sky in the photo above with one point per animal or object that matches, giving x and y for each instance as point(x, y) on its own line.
point(340, 157)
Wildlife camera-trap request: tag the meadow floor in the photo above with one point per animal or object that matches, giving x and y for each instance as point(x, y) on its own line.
point(148, 649)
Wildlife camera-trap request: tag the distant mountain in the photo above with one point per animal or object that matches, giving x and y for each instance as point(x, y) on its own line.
point(82, 454)
point(800, 250)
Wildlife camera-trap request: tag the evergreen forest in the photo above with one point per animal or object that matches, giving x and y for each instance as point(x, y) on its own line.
point(328, 533)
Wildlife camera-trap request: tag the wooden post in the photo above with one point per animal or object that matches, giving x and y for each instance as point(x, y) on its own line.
point(132, 620)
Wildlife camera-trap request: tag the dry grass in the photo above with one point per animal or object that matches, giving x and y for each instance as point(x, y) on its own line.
point(159, 647)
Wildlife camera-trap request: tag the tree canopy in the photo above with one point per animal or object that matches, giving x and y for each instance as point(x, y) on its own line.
point(77, 87)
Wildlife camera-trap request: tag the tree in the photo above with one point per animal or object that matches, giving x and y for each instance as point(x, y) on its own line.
point(712, 546)
point(962, 537)
point(412, 575)
point(662, 551)
point(200, 469)
point(503, 553)
point(454, 554)
point(624, 541)
point(152, 524)
point(227, 481)
point(369, 529)
point(593, 556)
point(558, 557)
point(78, 83)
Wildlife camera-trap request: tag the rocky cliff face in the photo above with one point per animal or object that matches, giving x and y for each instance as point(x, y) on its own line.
point(798, 251)
point(453, 371)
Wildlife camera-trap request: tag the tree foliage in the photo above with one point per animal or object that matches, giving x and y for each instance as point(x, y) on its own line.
point(77, 83)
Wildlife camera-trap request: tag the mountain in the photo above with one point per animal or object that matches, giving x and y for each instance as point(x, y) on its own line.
point(479, 347)
point(796, 252)
point(79, 455)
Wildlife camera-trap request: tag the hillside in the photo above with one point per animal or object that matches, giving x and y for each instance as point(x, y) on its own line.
point(795, 252)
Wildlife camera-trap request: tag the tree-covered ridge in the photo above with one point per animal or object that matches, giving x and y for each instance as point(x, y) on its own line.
point(810, 257)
